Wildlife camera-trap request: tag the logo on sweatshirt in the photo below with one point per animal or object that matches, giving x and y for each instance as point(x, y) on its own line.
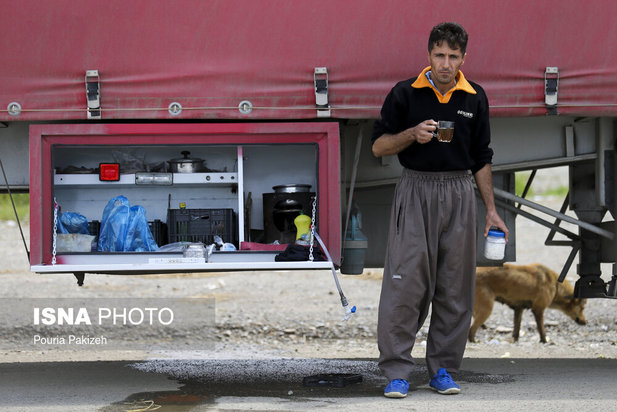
point(465, 114)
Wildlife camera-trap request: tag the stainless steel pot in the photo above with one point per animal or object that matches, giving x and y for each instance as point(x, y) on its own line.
point(291, 188)
point(186, 164)
point(195, 250)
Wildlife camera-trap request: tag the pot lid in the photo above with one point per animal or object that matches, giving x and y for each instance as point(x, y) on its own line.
point(186, 158)
point(293, 188)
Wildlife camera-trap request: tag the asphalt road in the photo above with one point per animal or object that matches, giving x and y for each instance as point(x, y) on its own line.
point(277, 384)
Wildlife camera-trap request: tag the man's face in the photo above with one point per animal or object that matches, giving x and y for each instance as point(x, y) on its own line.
point(445, 63)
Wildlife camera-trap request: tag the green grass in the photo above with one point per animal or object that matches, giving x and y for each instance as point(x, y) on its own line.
point(560, 191)
point(22, 204)
point(520, 180)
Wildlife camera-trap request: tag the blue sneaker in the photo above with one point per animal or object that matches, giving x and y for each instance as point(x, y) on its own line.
point(442, 382)
point(397, 388)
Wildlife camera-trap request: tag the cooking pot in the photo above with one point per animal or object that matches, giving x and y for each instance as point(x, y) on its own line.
point(186, 164)
point(195, 250)
point(291, 188)
point(284, 213)
point(288, 204)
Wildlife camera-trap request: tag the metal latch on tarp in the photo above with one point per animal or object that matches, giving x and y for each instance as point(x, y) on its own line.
point(551, 89)
point(93, 94)
point(320, 80)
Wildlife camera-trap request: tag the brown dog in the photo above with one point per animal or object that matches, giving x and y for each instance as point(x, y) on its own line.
point(532, 287)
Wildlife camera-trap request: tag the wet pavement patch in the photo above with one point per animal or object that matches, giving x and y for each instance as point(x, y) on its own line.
point(289, 390)
point(337, 380)
point(161, 401)
point(194, 393)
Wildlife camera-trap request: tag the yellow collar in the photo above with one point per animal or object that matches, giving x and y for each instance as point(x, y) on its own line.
point(461, 84)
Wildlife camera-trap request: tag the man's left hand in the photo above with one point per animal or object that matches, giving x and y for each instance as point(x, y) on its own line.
point(493, 219)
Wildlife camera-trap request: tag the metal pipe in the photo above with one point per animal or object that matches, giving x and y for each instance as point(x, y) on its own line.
point(587, 226)
point(542, 163)
point(537, 219)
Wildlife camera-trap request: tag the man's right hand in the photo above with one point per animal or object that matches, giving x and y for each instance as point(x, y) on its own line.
point(423, 132)
point(390, 144)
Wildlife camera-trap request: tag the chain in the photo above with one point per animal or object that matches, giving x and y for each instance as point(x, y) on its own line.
point(312, 239)
point(55, 235)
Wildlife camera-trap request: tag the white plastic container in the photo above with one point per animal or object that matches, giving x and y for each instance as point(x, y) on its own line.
point(495, 245)
point(73, 242)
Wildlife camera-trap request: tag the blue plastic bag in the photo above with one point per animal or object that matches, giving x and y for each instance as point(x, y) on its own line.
point(60, 227)
point(139, 237)
point(72, 222)
point(114, 225)
point(125, 228)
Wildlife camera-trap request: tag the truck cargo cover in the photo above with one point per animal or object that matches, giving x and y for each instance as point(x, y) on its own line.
point(210, 55)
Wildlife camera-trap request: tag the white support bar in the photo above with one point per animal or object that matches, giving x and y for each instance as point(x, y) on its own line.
point(240, 195)
point(179, 267)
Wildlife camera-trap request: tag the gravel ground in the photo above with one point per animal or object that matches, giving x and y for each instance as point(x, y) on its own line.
point(298, 314)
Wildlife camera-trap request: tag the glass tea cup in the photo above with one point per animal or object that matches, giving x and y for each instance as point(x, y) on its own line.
point(445, 131)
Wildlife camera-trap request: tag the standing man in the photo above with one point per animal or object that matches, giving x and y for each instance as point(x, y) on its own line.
point(431, 255)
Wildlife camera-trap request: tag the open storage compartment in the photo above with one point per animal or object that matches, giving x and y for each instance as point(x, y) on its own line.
point(227, 196)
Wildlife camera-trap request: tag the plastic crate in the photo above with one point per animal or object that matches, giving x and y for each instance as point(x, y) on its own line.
point(201, 225)
point(94, 228)
point(159, 232)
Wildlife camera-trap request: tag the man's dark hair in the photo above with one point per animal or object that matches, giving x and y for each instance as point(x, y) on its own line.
point(453, 33)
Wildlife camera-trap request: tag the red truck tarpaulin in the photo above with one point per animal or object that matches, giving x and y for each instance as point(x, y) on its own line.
point(209, 55)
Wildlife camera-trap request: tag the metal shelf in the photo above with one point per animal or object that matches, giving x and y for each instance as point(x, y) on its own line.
point(210, 178)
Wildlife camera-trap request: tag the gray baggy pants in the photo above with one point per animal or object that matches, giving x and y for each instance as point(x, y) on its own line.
point(430, 259)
